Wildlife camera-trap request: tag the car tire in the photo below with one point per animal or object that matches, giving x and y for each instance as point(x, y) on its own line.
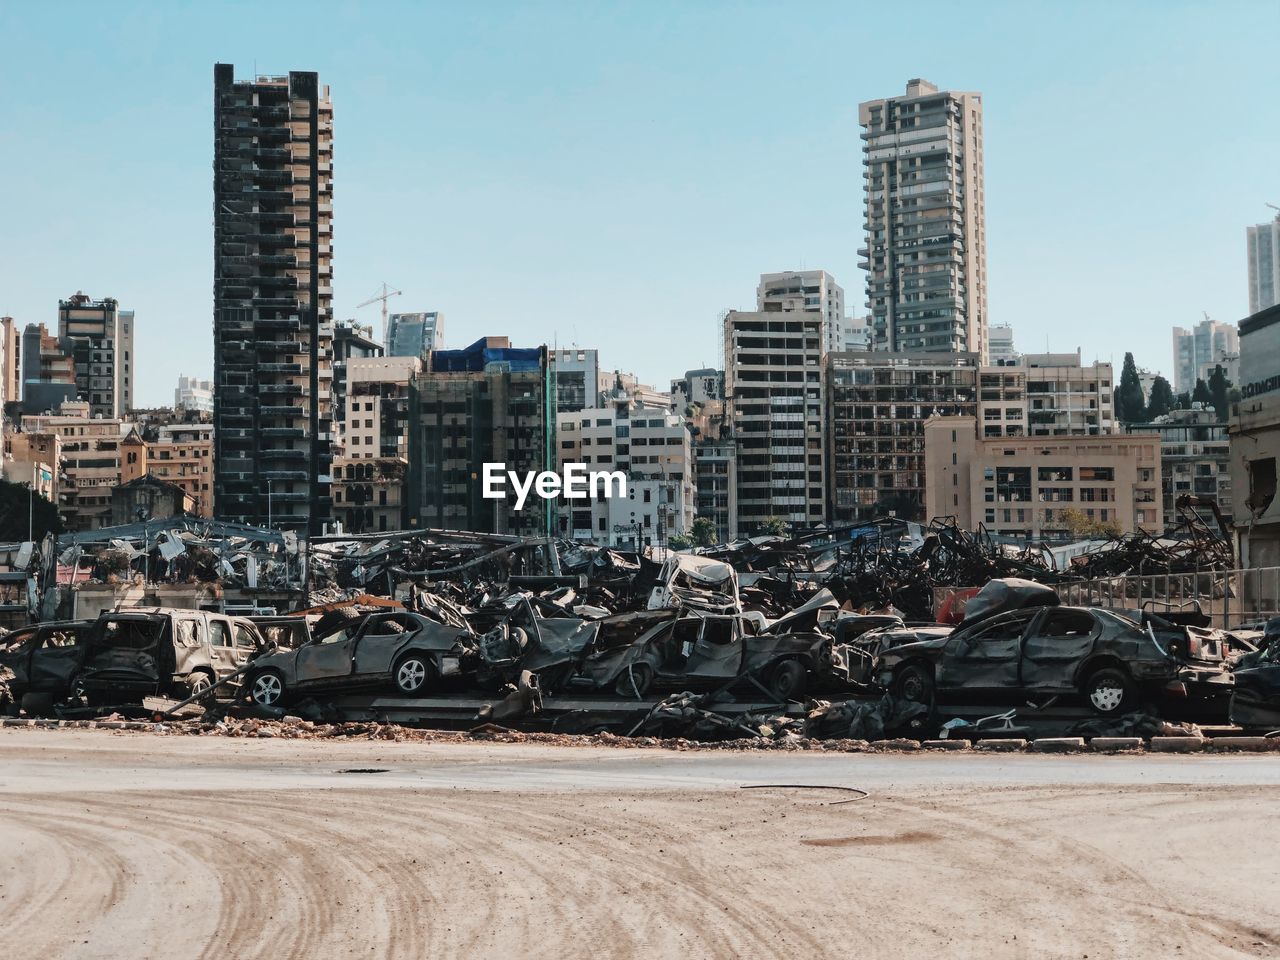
point(787, 680)
point(413, 674)
point(914, 682)
point(266, 689)
point(1109, 691)
point(634, 682)
point(198, 683)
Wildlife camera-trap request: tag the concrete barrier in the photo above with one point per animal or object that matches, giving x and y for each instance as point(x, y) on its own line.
point(945, 744)
point(1057, 745)
point(1252, 744)
point(1116, 744)
point(1000, 746)
point(1178, 744)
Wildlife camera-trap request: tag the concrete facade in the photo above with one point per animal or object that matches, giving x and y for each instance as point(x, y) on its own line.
point(1255, 442)
point(273, 294)
point(90, 463)
point(1000, 348)
point(814, 290)
point(1195, 458)
point(1046, 395)
point(652, 447)
point(926, 241)
point(98, 337)
point(414, 334)
point(193, 394)
point(577, 377)
point(774, 404)
point(879, 403)
point(1020, 486)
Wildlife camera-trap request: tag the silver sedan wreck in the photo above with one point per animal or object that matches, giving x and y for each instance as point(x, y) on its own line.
point(405, 651)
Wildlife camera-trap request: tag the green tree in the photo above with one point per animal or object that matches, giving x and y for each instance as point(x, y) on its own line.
point(17, 505)
point(678, 541)
point(703, 533)
point(1218, 387)
point(1129, 404)
point(1201, 393)
point(1082, 525)
point(1162, 400)
point(1183, 401)
point(772, 526)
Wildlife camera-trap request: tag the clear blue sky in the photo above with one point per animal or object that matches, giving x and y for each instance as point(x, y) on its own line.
point(617, 174)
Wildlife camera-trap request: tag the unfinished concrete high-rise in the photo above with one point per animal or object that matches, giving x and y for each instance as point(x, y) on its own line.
point(273, 314)
point(813, 290)
point(926, 235)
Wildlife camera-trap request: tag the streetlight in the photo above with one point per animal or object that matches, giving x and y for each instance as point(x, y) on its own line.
point(268, 503)
point(143, 516)
point(31, 508)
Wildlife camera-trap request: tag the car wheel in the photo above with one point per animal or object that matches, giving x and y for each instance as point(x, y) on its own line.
point(267, 689)
point(787, 680)
point(1109, 691)
point(413, 674)
point(37, 704)
point(914, 683)
point(198, 683)
point(635, 681)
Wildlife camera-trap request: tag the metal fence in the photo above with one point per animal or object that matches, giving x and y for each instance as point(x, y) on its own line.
point(1230, 597)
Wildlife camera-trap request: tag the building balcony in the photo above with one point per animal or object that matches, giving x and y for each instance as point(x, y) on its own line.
point(280, 346)
point(290, 410)
point(277, 475)
point(281, 303)
point(290, 368)
point(278, 323)
point(283, 453)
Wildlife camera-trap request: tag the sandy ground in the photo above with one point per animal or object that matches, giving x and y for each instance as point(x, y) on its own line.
point(140, 846)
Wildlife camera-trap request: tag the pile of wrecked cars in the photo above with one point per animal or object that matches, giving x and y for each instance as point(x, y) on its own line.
point(682, 626)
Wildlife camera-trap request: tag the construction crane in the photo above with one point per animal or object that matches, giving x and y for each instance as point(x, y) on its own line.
point(387, 293)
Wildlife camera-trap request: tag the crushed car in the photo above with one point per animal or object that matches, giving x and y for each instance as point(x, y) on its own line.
point(1041, 649)
point(407, 652)
point(698, 583)
point(1255, 698)
point(44, 660)
point(130, 654)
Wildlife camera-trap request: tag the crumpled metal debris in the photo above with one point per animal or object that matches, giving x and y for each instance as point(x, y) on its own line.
point(862, 719)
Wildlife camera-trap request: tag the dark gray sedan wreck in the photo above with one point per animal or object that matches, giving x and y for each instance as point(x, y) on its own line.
point(1105, 657)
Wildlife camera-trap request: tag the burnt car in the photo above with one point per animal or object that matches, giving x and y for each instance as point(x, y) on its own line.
point(44, 660)
point(696, 582)
point(405, 651)
point(1105, 657)
point(1255, 699)
point(515, 636)
point(691, 649)
point(129, 654)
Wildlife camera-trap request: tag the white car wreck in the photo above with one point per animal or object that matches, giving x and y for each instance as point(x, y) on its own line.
point(688, 580)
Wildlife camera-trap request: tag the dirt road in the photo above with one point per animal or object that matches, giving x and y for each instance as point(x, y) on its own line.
point(139, 846)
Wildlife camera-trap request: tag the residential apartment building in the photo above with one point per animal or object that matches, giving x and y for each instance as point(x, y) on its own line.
point(652, 447)
point(926, 242)
point(878, 405)
point(1195, 457)
point(577, 377)
point(351, 341)
point(1020, 487)
point(369, 475)
point(486, 403)
point(10, 348)
point(32, 459)
point(193, 394)
point(697, 388)
point(98, 336)
point(857, 334)
point(90, 464)
point(1263, 247)
point(774, 403)
point(182, 454)
point(1255, 449)
point(414, 334)
point(814, 290)
point(1207, 342)
point(1000, 349)
point(48, 374)
point(273, 289)
point(1046, 395)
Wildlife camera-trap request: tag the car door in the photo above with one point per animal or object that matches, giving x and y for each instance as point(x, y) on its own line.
point(1055, 647)
point(326, 660)
point(985, 657)
point(380, 641)
point(222, 651)
point(244, 641)
point(55, 659)
point(717, 653)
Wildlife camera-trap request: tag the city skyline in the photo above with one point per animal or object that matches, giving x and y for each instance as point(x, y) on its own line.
point(636, 159)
